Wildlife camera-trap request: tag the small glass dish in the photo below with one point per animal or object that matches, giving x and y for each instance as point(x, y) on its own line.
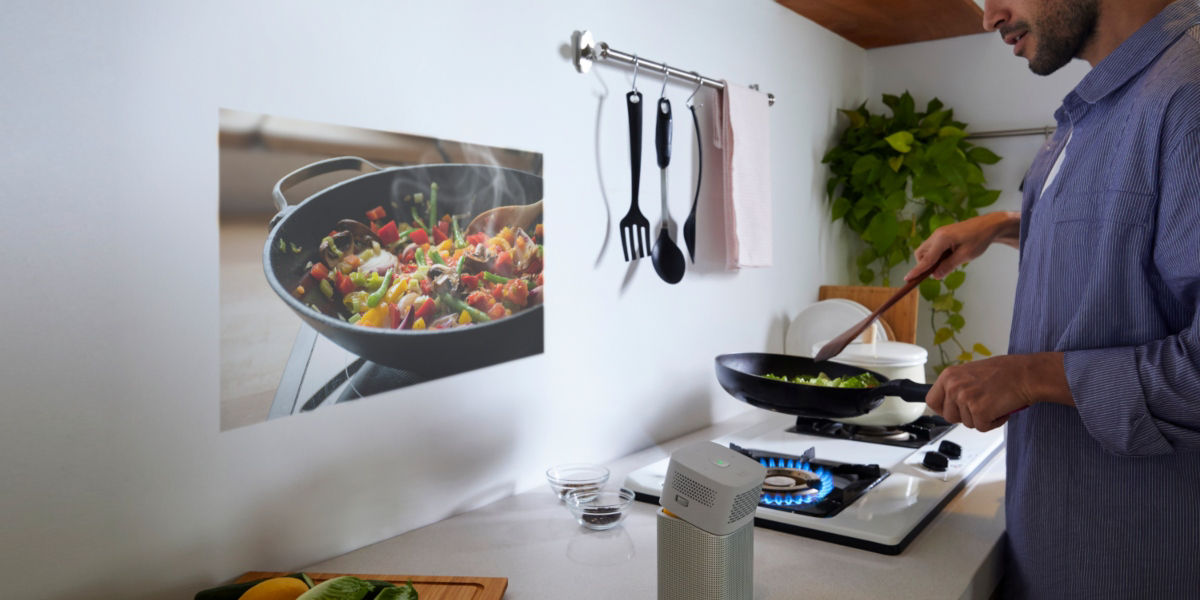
point(600, 509)
point(576, 476)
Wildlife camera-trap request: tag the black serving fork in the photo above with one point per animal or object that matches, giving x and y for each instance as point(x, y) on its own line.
point(635, 228)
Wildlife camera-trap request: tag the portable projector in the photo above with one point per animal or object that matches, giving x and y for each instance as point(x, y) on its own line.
point(706, 524)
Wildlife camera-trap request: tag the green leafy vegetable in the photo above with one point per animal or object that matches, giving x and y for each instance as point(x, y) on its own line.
point(861, 381)
point(339, 588)
point(405, 592)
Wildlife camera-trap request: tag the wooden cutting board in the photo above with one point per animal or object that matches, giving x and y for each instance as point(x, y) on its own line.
point(429, 587)
point(900, 320)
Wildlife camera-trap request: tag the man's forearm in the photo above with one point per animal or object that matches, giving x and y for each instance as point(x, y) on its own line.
point(1008, 228)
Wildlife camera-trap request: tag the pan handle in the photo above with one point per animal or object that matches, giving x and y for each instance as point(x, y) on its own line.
point(320, 167)
point(906, 389)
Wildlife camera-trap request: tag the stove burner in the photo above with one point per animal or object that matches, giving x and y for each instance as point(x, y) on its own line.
point(807, 485)
point(792, 482)
point(911, 435)
point(877, 433)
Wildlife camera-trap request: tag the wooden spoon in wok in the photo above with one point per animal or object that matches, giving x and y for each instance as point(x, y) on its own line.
point(513, 215)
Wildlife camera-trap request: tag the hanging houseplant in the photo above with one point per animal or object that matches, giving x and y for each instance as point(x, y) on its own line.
point(893, 181)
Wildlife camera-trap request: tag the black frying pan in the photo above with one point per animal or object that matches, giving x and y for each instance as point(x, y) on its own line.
point(742, 376)
point(462, 189)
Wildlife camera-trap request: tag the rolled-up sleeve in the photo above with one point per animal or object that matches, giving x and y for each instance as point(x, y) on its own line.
point(1145, 399)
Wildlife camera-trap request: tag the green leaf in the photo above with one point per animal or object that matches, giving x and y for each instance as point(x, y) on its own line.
point(982, 155)
point(840, 207)
point(951, 132)
point(866, 275)
point(901, 141)
point(865, 164)
point(941, 335)
point(981, 349)
point(895, 163)
point(974, 174)
point(882, 230)
point(930, 289)
point(943, 302)
point(934, 105)
point(987, 198)
point(965, 357)
point(895, 201)
point(956, 321)
point(955, 279)
point(832, 185)
point(866, 257)
point(856, 119)
point(956, 306)
point(939, 220)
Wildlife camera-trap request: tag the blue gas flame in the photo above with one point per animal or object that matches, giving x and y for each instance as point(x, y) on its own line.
point(826, 477)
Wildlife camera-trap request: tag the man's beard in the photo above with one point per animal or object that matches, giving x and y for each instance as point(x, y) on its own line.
point(1063, 33)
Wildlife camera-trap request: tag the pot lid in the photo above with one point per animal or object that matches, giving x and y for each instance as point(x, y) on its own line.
point(879, 354)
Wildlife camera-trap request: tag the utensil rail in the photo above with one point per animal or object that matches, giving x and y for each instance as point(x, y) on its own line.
point(587, 51)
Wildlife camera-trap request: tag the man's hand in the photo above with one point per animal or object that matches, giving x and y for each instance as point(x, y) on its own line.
point(967, 239)
point(982, 394)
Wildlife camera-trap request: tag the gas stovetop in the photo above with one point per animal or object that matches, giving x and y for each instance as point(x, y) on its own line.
point(874, 496)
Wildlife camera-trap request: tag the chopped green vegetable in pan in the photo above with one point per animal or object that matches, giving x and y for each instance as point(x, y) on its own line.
point(864, 380)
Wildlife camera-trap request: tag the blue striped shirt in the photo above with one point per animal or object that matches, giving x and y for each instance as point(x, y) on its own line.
point(1103, 500)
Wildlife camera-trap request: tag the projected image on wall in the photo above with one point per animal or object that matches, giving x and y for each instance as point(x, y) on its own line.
point(356, 262)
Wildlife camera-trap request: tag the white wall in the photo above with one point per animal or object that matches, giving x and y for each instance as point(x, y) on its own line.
point(989, 89)
point(116, 481)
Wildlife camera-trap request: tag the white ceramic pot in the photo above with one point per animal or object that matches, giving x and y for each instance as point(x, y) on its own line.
point(894, 360)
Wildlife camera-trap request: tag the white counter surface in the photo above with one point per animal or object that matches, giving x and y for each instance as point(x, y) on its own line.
point(532, 540)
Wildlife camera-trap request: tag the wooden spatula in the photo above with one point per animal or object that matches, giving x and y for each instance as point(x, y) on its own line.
point(839, 343)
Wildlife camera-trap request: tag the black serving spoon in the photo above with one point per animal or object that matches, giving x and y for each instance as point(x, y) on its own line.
point(666, 256)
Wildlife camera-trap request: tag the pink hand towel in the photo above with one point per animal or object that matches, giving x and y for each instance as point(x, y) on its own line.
point(747, 174)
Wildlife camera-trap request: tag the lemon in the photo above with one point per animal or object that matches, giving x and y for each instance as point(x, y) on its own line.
point(277, 588)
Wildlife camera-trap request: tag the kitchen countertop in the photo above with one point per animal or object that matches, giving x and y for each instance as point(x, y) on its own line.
point(531, 539)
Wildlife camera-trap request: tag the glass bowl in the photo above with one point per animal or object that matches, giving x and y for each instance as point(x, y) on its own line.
point(576, 476)
point(600, 509)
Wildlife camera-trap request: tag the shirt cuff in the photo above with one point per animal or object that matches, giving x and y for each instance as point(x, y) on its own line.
point(1109, 397)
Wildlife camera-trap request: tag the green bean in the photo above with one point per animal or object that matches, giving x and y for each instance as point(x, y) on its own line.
point(377, 296)
point(459, 306)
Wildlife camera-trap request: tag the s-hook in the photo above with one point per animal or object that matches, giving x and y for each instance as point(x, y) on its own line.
point(689, 226)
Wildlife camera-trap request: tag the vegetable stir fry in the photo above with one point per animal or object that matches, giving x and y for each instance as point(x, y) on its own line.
point(864, 380)
point(423, 271)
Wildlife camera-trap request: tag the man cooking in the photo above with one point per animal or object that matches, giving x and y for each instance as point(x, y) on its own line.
point(1101, 386)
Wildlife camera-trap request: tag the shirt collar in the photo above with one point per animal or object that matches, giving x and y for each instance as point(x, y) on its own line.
point(1135, 53)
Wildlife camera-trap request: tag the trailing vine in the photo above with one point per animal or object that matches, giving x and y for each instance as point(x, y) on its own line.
point(893, 181)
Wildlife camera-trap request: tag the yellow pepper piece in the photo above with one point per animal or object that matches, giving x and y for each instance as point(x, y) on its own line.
point(414, 286)
point(501, 242)
point(420, 324)
point(375, 316)
point(446, 245)
point(464, 318)
point(396, 291)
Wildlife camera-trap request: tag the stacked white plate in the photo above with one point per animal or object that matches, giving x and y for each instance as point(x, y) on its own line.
point(824, 321)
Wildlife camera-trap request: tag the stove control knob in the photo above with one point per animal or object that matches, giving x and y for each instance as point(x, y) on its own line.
point(950, 449)
point(935, 461)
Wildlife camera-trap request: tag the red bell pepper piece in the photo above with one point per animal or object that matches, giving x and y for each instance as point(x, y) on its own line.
point(376, 214)
point(439, 236)
point(319, 271)
point(504, 264)
point(426, 287)
point(469, 281)
point(419, 236)
point(516, 291)
point(476, 238)
point(344, 284)
point(497, 311)
point(479, 300)
point(388, 232)
point(426, 309)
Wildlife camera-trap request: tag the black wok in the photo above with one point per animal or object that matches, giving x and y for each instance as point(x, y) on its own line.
point(742, 376)
point(462, 190)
